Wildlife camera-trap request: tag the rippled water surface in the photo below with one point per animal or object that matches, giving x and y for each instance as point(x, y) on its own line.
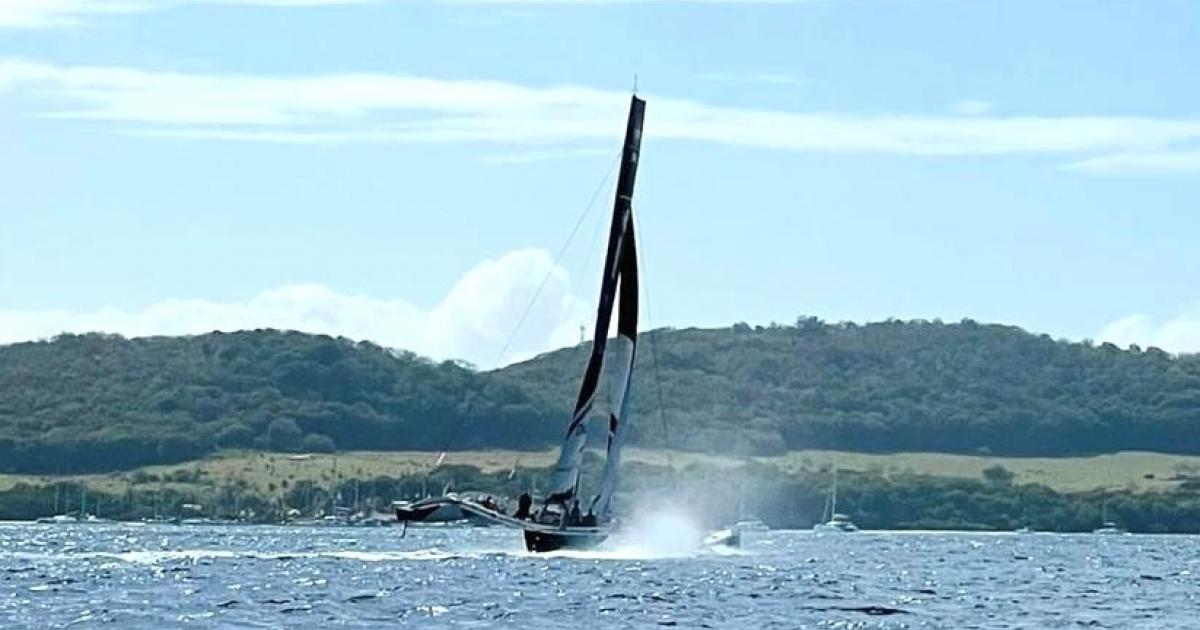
point(167, 576)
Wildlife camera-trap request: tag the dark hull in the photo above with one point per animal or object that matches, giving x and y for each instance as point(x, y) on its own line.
point(415, 514)
point(539, 537)
point(542, 542)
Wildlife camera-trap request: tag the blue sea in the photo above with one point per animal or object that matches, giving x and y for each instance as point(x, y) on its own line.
point(155, 576)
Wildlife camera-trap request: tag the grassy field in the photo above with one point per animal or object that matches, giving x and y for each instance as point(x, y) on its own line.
point(264, 472)
point(1131, 470)
point(1138, 471)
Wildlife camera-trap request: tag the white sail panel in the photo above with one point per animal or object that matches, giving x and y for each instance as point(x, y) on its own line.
point(622, 363)
point(564, 482)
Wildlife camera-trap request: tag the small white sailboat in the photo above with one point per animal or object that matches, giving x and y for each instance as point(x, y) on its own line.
point(1108, 527)
point(566, 518)
point(831, 519)
point(837, 523)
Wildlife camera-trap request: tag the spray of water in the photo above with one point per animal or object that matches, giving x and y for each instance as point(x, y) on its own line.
point(659, 532)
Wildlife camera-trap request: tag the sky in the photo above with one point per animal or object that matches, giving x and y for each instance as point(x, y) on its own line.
point(416, 172)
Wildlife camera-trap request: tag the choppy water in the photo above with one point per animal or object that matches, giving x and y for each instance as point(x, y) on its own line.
point(166, 576)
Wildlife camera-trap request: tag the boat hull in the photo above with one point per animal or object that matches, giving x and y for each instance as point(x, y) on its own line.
point(415, 514)
point(430, 510)
point(724, 538)
point(539, 537)
point(835, 528)
point(543, 542)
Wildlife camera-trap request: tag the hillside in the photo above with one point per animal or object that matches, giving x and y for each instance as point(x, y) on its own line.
point(94, 402)
point(99, 402)
point(895, 386)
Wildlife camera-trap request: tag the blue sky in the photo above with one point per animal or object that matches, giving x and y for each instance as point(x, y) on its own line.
point(407, 172)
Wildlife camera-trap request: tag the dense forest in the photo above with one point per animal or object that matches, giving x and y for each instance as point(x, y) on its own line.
point(894, 386)
point(100, 402)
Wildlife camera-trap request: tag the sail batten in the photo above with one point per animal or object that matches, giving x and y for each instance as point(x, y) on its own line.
point(619, 282)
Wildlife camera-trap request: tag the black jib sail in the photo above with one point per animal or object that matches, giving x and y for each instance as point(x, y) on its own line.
point(619, 283)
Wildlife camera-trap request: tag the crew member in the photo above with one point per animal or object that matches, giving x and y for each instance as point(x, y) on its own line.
point(524, 503)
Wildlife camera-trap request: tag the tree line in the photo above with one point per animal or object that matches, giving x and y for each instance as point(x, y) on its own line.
point(96, 402)
point(712, 496)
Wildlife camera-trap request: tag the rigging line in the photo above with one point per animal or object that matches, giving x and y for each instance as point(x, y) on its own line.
point(471, 401)
point(592, 250)
point(651, 339)
point(558, 258)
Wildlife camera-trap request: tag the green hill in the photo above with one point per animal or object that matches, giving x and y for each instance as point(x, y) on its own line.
point(99, 402)
point(894, 386)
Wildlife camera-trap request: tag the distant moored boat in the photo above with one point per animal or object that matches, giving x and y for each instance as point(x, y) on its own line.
point(831, 520)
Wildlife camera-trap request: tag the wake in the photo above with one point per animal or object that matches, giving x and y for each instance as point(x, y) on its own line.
point(655, 536)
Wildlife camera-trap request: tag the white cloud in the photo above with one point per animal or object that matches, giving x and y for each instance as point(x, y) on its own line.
point(42, 13)
point(474, 320)
point(972, 108)
point(57, 13)
point(366, 107)
point(595, 2)
point(1152, 162)
point(1179, 334)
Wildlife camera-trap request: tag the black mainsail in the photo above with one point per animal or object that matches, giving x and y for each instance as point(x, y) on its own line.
point(618, 284)
point(562, 521)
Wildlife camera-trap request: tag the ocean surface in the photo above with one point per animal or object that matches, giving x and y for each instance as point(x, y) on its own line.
point(126, 576)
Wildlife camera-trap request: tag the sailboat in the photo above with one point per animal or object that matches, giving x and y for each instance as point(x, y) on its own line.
point(566, 517)
point(832, 521)
point(1108, 527)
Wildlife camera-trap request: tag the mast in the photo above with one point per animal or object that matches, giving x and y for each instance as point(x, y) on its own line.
point(833, 498)
point(618, 282)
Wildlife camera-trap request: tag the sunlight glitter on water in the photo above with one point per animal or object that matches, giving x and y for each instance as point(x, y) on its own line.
point(480, 577)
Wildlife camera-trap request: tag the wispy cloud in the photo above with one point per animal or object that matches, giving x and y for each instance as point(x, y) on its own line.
point(473, 321)
point(56, 13)
point(49, 13)
point(1152, 162)
point(44, 13)
point(401, 108)
point(59, 13)
point(594, 2)
point(972, 108)
point(1179, 334)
